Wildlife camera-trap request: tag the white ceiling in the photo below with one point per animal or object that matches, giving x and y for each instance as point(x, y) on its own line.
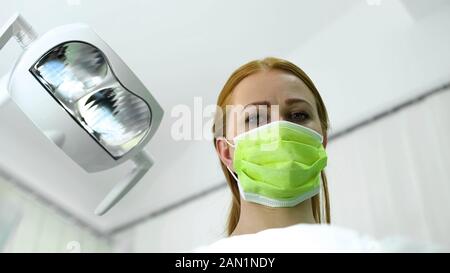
point(187, 49)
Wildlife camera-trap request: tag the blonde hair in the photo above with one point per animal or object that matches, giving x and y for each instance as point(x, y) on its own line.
point(221, 117)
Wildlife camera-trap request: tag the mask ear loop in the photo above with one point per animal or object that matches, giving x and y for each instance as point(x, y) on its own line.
point(241, 191)
point(228, 142)
point(321, 201)
point(322, 196)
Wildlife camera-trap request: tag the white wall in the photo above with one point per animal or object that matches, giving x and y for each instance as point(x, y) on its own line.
point(197, 223)
point(393, 177)
point(377, 56)
point(42, 229)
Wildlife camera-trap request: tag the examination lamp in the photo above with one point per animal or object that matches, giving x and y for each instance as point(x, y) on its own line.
point(84, 98)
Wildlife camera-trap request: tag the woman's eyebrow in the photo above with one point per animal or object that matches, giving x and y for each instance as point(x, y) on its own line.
point(296, 100)
point(267, 103)
point(287, 101)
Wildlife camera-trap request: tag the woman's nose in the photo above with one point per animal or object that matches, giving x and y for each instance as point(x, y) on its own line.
point(278, 118)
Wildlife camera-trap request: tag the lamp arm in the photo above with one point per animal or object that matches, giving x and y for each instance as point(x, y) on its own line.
point(4, 95)
point(143, 163)
point(23, 32)
point(19, 28)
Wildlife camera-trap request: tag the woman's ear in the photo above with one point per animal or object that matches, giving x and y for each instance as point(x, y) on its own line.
point(325, 141)
point(224, 151)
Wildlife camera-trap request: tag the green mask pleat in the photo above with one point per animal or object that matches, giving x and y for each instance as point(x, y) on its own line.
point(279, 164)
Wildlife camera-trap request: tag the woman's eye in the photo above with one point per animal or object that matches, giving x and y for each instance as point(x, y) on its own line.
point(252, 119)
point(299, 116)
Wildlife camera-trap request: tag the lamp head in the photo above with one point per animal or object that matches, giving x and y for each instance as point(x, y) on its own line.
point(71, 82)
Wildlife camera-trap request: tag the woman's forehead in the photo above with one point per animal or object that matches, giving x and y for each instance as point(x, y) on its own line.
point(273, 86)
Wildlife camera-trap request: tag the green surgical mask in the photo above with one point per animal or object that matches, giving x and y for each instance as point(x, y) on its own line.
point(278, 164)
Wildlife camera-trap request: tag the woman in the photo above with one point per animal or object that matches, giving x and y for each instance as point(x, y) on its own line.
point(270, 82)
point(270, 136)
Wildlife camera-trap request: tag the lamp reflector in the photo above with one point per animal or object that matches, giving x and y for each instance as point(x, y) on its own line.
point(79, 77)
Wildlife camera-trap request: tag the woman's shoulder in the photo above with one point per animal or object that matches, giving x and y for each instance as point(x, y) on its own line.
point(297, 238)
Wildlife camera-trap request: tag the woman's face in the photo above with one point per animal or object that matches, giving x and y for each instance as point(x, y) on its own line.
point(256, 97)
